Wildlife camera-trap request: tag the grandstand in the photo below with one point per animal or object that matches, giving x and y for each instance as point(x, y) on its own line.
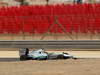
point(45, 20)
point(52, 22)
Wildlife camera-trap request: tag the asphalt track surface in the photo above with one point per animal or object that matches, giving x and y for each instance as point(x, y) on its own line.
point(9, 59)
point(81, 44)
point(10, 56)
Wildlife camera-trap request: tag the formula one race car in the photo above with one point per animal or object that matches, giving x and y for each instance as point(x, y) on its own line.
point(40, 54)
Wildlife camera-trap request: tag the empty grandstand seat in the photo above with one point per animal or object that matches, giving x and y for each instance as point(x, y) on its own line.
point(38, 19)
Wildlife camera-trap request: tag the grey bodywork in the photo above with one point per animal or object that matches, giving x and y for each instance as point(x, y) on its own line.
point(40, 54)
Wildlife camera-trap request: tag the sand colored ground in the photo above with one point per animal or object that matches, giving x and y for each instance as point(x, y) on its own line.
point(51, 67)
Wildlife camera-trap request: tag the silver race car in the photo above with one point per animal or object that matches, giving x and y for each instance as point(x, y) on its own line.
point(40, 54)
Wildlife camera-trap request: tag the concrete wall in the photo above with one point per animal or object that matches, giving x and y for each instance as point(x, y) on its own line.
point(75, 36)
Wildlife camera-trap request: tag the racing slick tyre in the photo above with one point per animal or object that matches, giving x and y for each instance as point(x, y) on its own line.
point(74, 58)
point(23, 57)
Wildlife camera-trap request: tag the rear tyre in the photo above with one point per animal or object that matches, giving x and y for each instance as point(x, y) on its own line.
point(74, 58)
point(23, 57)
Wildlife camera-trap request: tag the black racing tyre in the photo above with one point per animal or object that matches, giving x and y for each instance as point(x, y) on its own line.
point(74, 58)
point(46, 58)
point(60, 57)
point(23, 57)
point(65, 53)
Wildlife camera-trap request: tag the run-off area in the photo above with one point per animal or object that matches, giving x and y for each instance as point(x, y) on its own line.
point(79, 53)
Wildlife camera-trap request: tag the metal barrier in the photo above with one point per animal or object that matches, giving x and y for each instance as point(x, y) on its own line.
point(51, 44)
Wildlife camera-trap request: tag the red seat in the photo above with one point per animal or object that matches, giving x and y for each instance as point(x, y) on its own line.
point(38, 19)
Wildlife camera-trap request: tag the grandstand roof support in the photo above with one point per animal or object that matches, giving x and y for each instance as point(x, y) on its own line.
point(60, 25)
point(47, 2)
